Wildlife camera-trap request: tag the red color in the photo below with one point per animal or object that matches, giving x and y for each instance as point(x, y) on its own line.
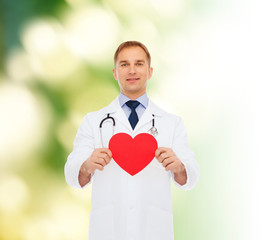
point(133, 154)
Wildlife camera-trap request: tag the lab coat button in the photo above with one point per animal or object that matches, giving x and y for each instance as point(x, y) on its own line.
point(131, 207)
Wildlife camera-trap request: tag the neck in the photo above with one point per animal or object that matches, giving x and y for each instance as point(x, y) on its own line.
point(133, 96)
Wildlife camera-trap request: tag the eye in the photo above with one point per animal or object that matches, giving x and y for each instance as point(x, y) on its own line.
point(124, 65)
point(139, 64)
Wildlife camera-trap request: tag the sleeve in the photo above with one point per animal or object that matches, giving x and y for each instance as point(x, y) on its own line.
point(181, 148)
point(83, 147)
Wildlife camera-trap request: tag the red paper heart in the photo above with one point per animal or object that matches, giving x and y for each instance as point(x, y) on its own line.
point(133, 154)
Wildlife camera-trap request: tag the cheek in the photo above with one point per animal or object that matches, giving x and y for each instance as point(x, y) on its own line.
point(121, 74)
point(144, 73)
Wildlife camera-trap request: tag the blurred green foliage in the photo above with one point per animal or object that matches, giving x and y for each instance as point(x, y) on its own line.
point(16, 13)
point(55, 66)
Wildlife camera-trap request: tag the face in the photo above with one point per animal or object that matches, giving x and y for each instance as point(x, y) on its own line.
point(132, 71)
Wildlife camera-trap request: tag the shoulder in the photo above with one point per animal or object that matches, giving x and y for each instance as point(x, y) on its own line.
point(174, 123)
point(163, 113)
point(102, 112)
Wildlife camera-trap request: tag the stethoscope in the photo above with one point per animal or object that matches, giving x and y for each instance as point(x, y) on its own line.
point(153, 130)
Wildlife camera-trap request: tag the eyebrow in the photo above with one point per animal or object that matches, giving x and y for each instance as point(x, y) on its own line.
point(125, 61)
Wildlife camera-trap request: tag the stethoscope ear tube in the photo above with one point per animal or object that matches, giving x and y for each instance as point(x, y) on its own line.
point(153, 130)
point(101, 125)
point(108, 117)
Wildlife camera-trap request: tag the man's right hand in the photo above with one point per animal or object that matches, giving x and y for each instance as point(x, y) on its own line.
point(99, 158)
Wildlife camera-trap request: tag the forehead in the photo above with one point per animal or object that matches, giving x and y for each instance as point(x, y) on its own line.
point(132, 53)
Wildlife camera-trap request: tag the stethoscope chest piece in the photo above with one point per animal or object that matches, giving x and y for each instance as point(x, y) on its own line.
point(153, 131)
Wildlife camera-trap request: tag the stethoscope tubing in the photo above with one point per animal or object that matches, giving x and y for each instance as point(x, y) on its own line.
point(153, 130)
point(108, 117)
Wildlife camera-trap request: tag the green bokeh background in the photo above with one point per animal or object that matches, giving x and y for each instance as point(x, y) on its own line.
point(56, 65)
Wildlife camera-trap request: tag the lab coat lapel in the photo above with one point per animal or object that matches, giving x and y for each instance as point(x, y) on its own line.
point(118, 113)
point(147, 116)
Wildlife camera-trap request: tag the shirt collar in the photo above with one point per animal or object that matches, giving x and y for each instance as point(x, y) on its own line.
point(143, 99)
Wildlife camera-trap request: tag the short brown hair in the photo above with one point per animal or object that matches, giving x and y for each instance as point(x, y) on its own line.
point(132, 44)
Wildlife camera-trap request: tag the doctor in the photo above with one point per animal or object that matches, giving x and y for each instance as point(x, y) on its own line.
point(125, 207)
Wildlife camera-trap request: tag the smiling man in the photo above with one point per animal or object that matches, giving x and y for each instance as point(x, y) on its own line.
point(134, 207)
point(132, 70)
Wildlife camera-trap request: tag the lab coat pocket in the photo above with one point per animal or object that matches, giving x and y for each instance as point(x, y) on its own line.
point(102, 224)
point(159, 224)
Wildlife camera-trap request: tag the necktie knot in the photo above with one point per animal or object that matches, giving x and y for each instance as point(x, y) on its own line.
point(132, 104)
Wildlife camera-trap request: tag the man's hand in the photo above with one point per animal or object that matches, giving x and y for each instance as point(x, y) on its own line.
point(170, 161)
point(99, 158)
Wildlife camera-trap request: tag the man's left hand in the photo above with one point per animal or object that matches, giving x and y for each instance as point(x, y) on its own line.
point(168, 158)
point(170, 161)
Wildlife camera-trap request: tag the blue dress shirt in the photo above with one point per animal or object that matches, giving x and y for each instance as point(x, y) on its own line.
point(143, 99)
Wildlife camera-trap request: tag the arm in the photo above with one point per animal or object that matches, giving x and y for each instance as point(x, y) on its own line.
point(171, 162)
point(179, 159)
point(180, 175)
point(183, 152)
point(84, 159)
point(83, 147)
point(99, 158)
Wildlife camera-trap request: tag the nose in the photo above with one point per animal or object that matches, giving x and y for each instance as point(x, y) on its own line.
point(132, 69)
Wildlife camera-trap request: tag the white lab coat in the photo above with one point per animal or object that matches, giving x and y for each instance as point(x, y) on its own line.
point(125, 207)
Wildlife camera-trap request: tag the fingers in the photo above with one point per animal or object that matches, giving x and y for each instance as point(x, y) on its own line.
point(167, 161)
point(105, 150)
point(100, 158)
point(99, 151)
point(103, 158)
point(171, 164)
point(104, 153)
point(167, 157)
point(163, 153)
point(98, 166)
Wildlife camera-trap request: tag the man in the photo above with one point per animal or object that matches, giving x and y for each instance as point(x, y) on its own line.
point(134, 207)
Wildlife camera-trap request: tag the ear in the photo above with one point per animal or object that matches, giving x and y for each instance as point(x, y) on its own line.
point(115, 73)
point(150, 72)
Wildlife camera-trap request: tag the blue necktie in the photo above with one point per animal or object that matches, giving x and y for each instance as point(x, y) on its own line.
point(133, 118)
